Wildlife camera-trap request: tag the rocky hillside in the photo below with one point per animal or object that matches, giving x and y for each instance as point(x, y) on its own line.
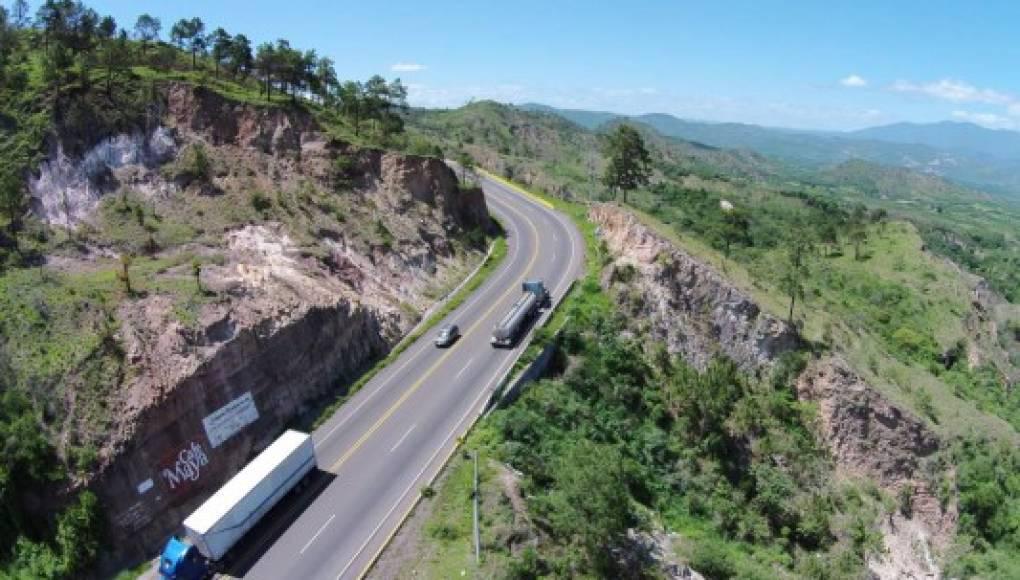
point(212, 275)
point(700, 315)
point(684, 303)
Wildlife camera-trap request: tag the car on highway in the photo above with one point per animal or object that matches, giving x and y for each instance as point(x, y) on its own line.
point(447, 335)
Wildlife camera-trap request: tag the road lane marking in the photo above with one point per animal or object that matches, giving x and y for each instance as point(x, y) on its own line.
point(402, 438)
point(421, 380)
point(461, 371)
point(412, 357)
point(508, 187)
point(317, 533)
point(499, 372)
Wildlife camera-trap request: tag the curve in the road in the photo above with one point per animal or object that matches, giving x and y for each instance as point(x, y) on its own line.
point(395, 434)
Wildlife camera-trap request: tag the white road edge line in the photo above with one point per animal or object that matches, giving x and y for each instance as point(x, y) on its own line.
point(499, 373)
point(317, 533)
point(394, 448)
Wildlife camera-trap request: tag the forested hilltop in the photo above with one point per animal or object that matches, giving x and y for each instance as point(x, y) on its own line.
point(907, 358)
point(142, 166)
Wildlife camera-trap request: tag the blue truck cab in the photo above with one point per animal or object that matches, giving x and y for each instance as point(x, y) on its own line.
point(181, 560)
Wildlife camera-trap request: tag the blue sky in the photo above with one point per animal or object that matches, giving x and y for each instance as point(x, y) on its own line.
point(805, 64)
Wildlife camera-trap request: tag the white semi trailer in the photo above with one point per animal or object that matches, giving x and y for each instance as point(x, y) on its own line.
point(219, 523)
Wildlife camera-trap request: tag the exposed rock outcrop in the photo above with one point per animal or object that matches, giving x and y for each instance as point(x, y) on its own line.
point(699, 314)
point(288, 308)
point(689, 306)
point(67, 190)
point(874, 439)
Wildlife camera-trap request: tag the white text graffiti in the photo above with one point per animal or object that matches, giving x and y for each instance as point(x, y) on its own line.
point(188, 466)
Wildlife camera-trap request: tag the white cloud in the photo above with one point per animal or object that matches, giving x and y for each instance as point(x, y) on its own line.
point(407, 67)
point(990, 120)
point(854, 81)
point(423, 95)
point(954, 91)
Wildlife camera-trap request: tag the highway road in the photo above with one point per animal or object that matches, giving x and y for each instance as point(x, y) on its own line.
point(395, 434)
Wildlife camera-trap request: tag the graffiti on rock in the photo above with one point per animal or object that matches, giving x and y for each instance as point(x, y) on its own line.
point(186, 468)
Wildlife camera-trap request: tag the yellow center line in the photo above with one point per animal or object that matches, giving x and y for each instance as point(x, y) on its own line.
point(511, 185)
point(421, 380)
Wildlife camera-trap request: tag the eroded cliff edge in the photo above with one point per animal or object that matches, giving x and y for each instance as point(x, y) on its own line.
point(699, 314)
point(279, 263)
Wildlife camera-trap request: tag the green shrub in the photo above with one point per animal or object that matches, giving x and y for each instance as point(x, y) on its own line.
point(444, 532)
point(261, 202)
point(342, 172)
point(193, 166)
point(713, 560)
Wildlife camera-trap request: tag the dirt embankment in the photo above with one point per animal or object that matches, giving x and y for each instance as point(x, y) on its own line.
point(290, 308)
point(699, 315)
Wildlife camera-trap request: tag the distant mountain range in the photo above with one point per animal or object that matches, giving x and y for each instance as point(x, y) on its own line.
point(950, 136)
point(963, 152)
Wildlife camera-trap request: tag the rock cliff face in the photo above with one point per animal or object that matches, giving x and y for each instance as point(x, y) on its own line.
point(290, 308)
point(699, 315)
point(687, 304)
point(871, 438)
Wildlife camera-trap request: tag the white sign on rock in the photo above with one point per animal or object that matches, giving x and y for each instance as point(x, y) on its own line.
point(226, 421)
point(145, 486)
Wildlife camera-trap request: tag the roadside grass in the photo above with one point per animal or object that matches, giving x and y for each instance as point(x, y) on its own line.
point(450, 526)
point(444, 545)
point(491, 263)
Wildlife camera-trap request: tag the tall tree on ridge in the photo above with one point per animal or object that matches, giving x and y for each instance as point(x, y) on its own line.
point(265, 66)
point(352, 103)
point(629, 163)
point(147, 29)
point(19, 14)
point(240, 57)
point(190, 32)
point(221, 45)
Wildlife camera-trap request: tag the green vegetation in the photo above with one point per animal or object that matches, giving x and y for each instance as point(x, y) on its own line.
point(37, 547)
point(988, 477)
point(628, 164)
point(849, 249)
point(624, 439)
point(699, 450)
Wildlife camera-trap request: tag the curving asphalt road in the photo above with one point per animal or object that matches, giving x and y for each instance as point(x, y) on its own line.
point(395, 434)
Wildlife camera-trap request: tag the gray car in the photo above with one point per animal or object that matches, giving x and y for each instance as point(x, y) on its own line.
point(447, 335)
